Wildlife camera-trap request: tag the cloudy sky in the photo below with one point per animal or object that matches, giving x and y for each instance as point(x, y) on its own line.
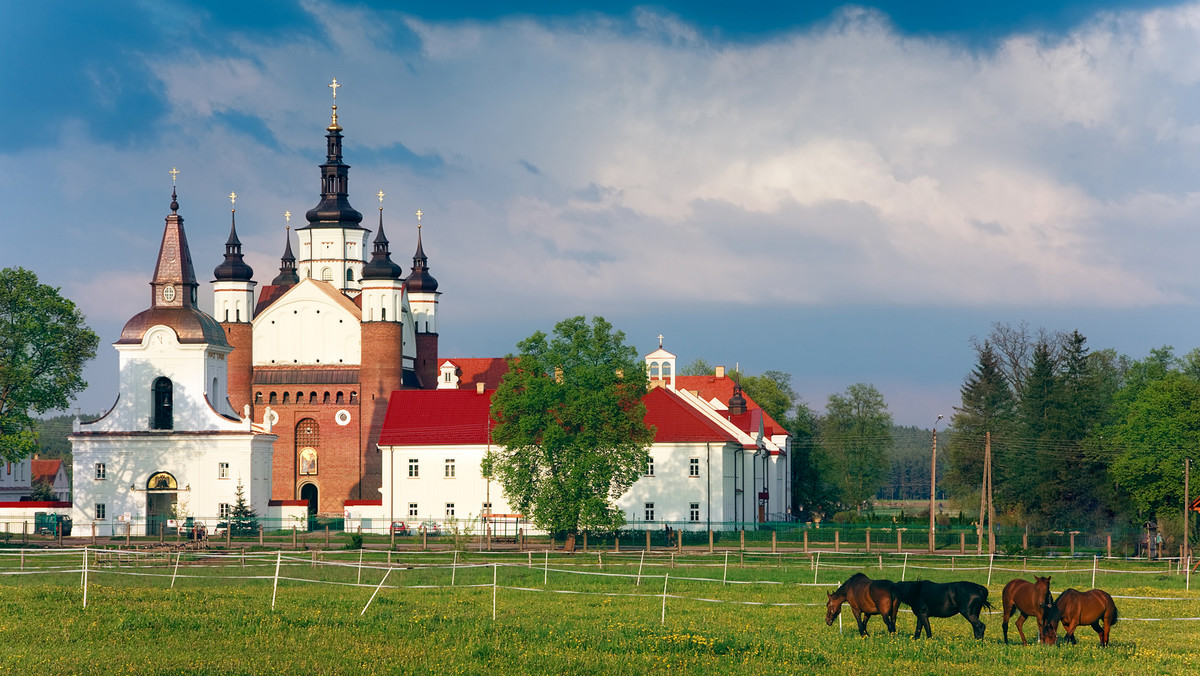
point(843, 192)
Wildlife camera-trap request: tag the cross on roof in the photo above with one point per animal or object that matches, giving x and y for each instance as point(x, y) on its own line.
point(173, 172)
point(381, 194)
point(419, 215)
point(335, 86)
point(232, 198)
point(287, 216)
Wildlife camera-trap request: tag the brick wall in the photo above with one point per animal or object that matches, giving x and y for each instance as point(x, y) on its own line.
point(240, 363)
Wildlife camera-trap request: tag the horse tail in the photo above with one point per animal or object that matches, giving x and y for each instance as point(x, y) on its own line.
point(1114, 607)
point(987, 604)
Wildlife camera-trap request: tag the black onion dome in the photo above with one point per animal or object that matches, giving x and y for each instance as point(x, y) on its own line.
point(381, 265)
point(233, 269)
point(287, 266)
point(420, 279)
point(334, 210)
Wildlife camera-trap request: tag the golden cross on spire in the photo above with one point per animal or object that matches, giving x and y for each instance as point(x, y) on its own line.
point(419, 215)
point(334, 86)
point(232, 199)
point(287, 216)
point(381, 194)
point(173, 172)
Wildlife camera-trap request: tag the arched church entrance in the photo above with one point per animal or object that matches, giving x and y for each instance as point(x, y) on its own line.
point(308, 493)
point(162, 492)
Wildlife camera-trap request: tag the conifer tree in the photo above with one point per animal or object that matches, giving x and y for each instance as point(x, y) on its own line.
point(988, 405)
point(242, 520)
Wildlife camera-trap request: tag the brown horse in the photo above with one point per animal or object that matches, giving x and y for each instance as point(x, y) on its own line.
point(1028, 599)
point(1074, 608)
point(866, 597)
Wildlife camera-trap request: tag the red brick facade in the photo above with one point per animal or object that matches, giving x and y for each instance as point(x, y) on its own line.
point(240, 337)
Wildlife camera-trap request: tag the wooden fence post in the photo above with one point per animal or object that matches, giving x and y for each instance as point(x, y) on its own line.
point(899, 540)
point(743, 542)
point(806, 541)
point(773, 550)
point(647, 539)
point(710, 541)
point(868, 540)
point(962, 543)
point(837, 540)
point(1109, 545)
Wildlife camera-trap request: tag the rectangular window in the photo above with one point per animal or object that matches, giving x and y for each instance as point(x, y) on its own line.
point(449, 509)
point(222, 470)
point(694, 511)
point(224, 510)
point(101, 473)
point(449, 468)
point(412, 509)
point(100, 511)
point(487, 508)
point(649, 511)
point(414, 468)
point(650, 467)
point(694, 467)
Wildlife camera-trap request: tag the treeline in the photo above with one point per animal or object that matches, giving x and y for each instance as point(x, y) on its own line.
point(1080, 439)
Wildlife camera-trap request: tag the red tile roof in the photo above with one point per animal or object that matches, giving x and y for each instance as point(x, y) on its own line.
point(445, 417)
point(721, 389)
point(674, 420)
point(437, 417)
point(44, 470)
point(486, 370)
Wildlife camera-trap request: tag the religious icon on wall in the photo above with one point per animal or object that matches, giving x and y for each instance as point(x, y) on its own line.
point(308, 461)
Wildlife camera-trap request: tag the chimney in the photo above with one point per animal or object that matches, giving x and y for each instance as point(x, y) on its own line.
point(720, 371)
point(479, 387)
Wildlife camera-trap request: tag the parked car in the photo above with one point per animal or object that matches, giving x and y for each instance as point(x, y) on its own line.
point(399, 528)
point(431, 528)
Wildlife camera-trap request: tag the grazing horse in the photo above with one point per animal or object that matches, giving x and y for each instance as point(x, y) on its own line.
point(1028, 599)
point(866, 597)
point(934, 599)
point(1073, 608)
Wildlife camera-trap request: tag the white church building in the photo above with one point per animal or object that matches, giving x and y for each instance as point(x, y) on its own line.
point(171, 446)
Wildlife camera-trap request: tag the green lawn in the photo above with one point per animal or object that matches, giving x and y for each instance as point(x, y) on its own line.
point(218, 617)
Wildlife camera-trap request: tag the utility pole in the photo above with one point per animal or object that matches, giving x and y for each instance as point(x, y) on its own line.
point(933, 485)
point(991, 505)
point(982, 502)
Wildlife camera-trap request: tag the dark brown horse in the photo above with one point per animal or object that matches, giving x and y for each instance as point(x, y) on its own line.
point(866, 597)
point(1028, 599)
point(1073, 608)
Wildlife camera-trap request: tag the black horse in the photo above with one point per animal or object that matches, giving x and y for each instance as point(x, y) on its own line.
point(935, 599)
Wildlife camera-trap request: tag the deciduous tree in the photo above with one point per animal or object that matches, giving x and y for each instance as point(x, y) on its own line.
point(854, 440)
point(570, 435)
point(44, 344)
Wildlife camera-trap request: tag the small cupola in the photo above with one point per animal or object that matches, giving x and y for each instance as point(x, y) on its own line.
point(737, 403)
point(660, 367)
point(287, 264)
point(381, 265)
point(420, 280)
point(233, 269)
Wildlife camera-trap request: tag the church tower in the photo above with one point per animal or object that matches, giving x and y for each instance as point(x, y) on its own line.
point(333, 244)
point(381, 371)
point(233, 302)
point(423, 298)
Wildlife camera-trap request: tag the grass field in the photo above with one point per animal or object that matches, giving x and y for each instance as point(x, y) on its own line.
point(217, 618)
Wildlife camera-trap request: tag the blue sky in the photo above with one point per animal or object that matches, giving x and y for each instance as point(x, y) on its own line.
point(844, 192)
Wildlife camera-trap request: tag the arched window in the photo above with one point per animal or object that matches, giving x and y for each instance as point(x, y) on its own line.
point(162, 417)
point(350, 275)
point(258, 397)
point(326, 399)
point(654, 369)
point(354, 397)
point(285, 396)
point(274, 399)
point(339, 397)
point(213, 396)
point(312, 398)
point(666, 370)
point(327, 275)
